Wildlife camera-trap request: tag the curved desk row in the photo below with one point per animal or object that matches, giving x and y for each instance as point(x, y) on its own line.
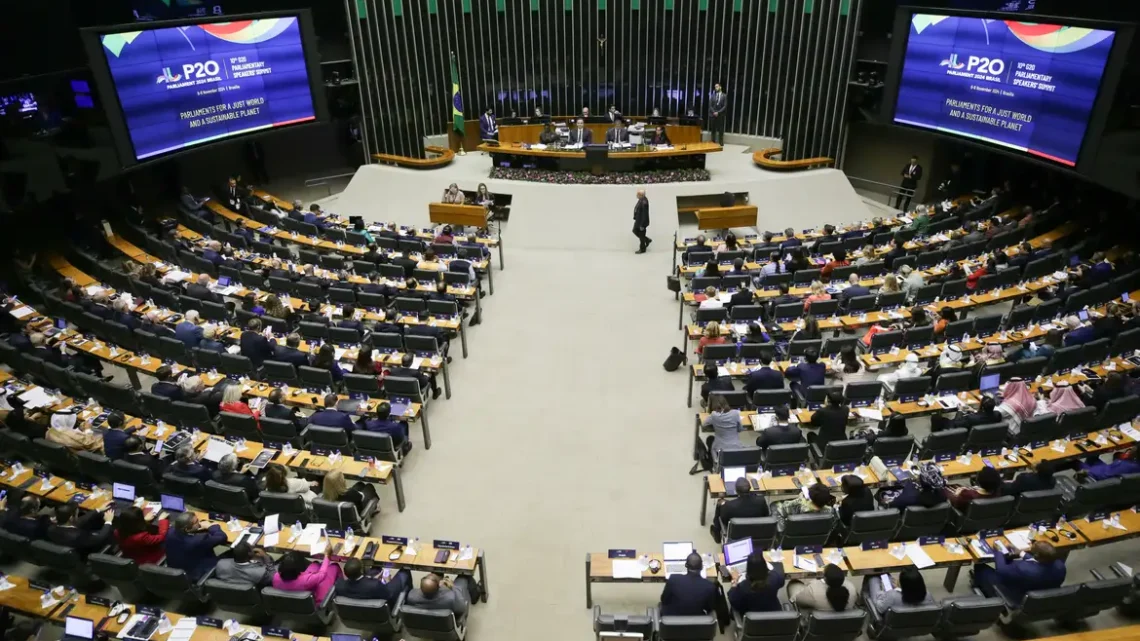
point(680, 156)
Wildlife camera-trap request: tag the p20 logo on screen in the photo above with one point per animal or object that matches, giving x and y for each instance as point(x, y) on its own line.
point(976, 64)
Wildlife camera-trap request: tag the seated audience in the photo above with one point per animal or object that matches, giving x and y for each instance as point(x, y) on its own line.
point(833, 593)
point(747, 504)
point(357, 585)
point(439, 593)
point(909, 591)
point(1041, 478)
point(782, 431)
point(296, 574)
point(247, 565)
point(856, 498)
point(690, 593)
point(138, 540)
point(85, 534)
point(1042, 569)
point(277, 479)
point(925, 490)
point(758, 590)
point(987, 484)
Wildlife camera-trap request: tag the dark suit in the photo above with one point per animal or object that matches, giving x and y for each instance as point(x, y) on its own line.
point(236, 479)
point(333, 418)
point(779, 435)
point(194, 470)
point(617, 134)
point(688, 594)
point(807, 374)
point(193, 552)
point(832, 424)
point(1026, 482)
point(189, 333)
point(911, 174)
point(113, 442)
point(654, 139)
point(583, 135)
point(718, 384)
point(641, 222)
point(853, 291)
point(763, 378)
point(212, 346)
point(89, 534)
point(749, 506)
point(212, 256)
point(287, 354)
point(128, 319)
point(283, 412)
point(169, 390)
point(256, 347)
point(149, 461)
point(407, 264)
point(1014, 578)
point(371, 589)
point(717, 107)
point(202, 292)
point(34, 527)
point(1080, 336)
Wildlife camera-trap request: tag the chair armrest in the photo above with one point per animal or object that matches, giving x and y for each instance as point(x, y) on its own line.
point(202, 581)
point(1117, 570)
point(1096, 575)
point(324, 604)
point(656, 618)
point(400, 598)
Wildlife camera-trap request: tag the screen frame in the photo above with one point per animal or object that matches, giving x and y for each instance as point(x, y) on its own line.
point(109, 95)
point(1098, 115)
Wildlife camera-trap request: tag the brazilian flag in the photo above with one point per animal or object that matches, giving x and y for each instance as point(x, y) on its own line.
point(456, 98)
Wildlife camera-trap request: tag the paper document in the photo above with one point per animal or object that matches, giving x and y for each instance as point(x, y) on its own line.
point(22, 312)
point(183, 630)
point(1020, 539)
point(271, 540)
point(918, 555)
point(417, 362)
point(339, 352)
point(272, 524)
point(804, 563)
point(626, 569)
point(216, 449)
point(869, 413)
point(36, 398)
point(723, 371)
point(1130, 432)
point(311, 534)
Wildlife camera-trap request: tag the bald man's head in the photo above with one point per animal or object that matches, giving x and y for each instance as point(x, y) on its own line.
point(429, 585)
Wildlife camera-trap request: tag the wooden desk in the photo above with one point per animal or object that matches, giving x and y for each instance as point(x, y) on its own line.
point(862, 561)
point(726, 217)
point(529, 133)
point(600, 569)
point(1095, 532)
point(25, 599)
point(458, 215)
point(680, 156)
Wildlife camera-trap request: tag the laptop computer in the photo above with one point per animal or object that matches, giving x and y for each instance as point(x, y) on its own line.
point(123, 494)
point(989, 383)
point(172, 503)
point(78, 629)
point(223, 281)
point(675, 553)
point(736, 554)
point(345, 637)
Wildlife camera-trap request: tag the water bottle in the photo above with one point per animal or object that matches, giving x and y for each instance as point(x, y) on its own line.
point(297, 527)
point(348, 534)
point(739, 342)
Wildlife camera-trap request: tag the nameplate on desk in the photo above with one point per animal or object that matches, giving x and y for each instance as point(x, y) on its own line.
point(77, 498)
point(989, 534)
point(336, 534)
point(440, 544)
point(623, 554)
point(942, 458)
point(319, 451)
point(808, 549)
point(846, 467)
point(363, 459)
point(91, 599)
point(86, 486)
point(1048, 525)
point(219, 517)
point(787, 471)
point(39, 585)
point(893, 462)
point(991, 451)
point(270, 445)
point(1037, 444)
point(149, 611)
point(393, 540)
point(874, 545)
point(209, 622)
point(270, 631)
point(1098, 516)
point(931, 540)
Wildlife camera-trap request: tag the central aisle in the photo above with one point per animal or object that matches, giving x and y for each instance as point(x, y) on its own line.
point(564, 435)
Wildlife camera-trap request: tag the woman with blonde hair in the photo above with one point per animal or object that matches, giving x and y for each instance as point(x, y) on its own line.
point(890, 284)
point(335, 488)
point(712, 337)
point(818, 292)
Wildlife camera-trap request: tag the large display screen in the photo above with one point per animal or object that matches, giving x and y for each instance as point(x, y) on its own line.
point(192, 84)
point(1020, 85)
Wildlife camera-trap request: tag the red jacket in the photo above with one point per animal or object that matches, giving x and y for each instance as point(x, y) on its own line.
point(145, 547)
point(240, 407)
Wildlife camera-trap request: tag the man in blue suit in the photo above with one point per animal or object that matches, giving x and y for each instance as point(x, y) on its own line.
point(190, 548)
point(689, 594)
point(313, 216)
point(765, 377)
point(808, 373)
point(188, 330)
point(288, 353)
point(853, 289)
point(213, 252)
point(1078, 334)
point(790, 239)
point(384, 424)
point(331, 416)
point(1042, 569)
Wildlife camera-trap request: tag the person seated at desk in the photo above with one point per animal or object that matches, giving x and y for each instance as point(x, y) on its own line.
point(488, 128)
point(86, 534)
point(1078, 333)
point(188, 331)
point(856, 498)
point(247, 565)
point(446, 236)
point(122, 308)
point(228, 474)
point(701, 245)
point(439, 593)
point(818, 500)
point(115, 436)
point(255, 346)
point(213, 253)
point(759, 589)
point(152, 323)
point(549, 135)
point(987, 484)
point(809, 332)
point(831, 419)
point(809, 372)
point(1121, 464)
point(384, 424)
point(425, 380)
point(839, 259)
point(365, 364)
point(138, 540)
point(580, 135)
point(64, 432)
point(296, 574)
point(190, 548)
point(618, 133)
point(1041, 478)
point(165, 386)
point(24, 518)
point(853, 289)
point(356, 585)
point(289, 352)
point(691, 593)
point(658, 137)
point(910, 591)
point(315, 217)
point(186, 464)
point(790, 240)
point(278, 479)
point(136, 452)
point(334, 488)
point(200, 289)
point(832, 593)
point(232, 402)
point(330, 416)
point(325, 358)
point(209, 340)
point(764, 377)
point(1042, 569)
point(189, 202)
point(985, 414)
point(712, 336)
point(746, 505)
point(452, 195)
point(277, 409)
point(782, 432)
point(725, 423)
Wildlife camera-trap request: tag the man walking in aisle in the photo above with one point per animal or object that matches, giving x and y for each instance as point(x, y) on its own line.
point(641, 221)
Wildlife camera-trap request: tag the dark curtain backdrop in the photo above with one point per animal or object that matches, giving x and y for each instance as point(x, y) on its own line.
point(783, 63)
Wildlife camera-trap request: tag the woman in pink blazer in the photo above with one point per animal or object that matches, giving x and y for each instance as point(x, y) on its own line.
point(296, 574)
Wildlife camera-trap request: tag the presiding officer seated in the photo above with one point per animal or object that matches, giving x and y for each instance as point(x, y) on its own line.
point(618, 133)
point(580, 135)
point(689, 594)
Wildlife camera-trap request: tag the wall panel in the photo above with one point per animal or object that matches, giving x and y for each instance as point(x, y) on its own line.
point(784, 63)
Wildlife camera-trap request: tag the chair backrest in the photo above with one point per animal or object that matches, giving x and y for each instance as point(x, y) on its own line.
point(229, 499)
point(923, 521)
point(782, 625)
point(911, 388)
point(93, 466)
point(373, 615)
point(884, 341)
point(1096, 596)
point(137, 475)
point(872, 525)
point(986, 436)
point(1042, 427)
point(280, 431)
point(1049, 605)
point(892, 448)
point(403, 386)
point(240, 425)
point(862, 393)
point(164, 581)
point(807, 529)
point(786, 455)
point(1118, 410)
point(843, 452)
point(983, 514)
point(362, 384)
point(337, 514)
point(954, 382)
point(329, 437)
point(291, 507)
point(279, 372)
point(687, 628)
point(763, 530)
point(315, 376)
point(438, 625)
point(967, 616)
point(900, 622)
point(187, 487)
point(114, 569)
point(769, 399)
point(833, 626)
point(238, 596)
point(289, 604)
point(948, 441)
point(57, 557)
point(13, 546)
point(236, 364)
point(748, 457)
point(1036, 505)
point(191, 414)
point(1092, 496)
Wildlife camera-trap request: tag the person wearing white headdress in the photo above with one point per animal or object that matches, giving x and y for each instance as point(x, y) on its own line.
point(909, 369)
point(64, 432)
point(950, 358)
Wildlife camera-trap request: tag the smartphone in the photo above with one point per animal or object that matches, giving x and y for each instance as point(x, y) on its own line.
point(441, 556)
